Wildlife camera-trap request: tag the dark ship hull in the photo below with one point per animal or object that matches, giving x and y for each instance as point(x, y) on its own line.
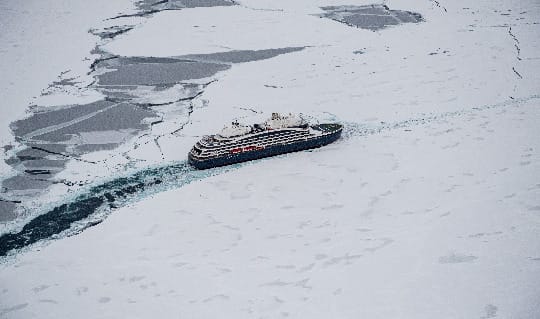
point(331, 132)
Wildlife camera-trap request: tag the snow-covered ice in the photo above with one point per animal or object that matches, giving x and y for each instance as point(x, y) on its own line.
point(427, 207)
point(43, 42)
point(438, 221)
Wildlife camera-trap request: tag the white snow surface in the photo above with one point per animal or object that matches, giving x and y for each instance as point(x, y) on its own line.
point(441, 221)
point(437, 217)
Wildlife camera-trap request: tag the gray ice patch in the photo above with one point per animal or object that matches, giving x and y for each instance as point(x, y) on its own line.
point(7, 211)
point(454, 258)
point(37, 157)
point(140, 92)
point(159, 73)
point(156, 5)
point(168, 71)
point(38, 153)
point(371, 17)
point(59, 135)
point(120, 61)
point(88, 148)
point(42, 120)
point(241, 56)
point(25, 182)
point(44, 163)
point(148, 7)
point(119, 116)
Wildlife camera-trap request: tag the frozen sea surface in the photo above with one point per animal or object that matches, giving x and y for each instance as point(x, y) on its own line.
point(133, 90)
point(441, 240)
point(371, 17)
point(427, 207)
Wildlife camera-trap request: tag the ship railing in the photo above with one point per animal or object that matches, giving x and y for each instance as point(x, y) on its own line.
point(259, 139)
point(275, 142)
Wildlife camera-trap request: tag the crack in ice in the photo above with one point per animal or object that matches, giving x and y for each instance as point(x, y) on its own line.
point(438, 4)
point(53, 128)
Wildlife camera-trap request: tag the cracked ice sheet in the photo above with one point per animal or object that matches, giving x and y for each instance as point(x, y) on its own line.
point(34, 31)
point(171, 118)
point(437, 65)
point(354, 229)
point(210, 30)
point(397, 77)
point(141, 152)
point(372, 17)
point(384, 88)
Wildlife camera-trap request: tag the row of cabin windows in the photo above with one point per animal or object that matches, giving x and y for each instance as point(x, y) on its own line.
point(265, 138)
point(218, 152)
point(271, 140)
point(260, 138)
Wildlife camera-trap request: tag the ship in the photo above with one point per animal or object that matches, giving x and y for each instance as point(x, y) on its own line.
point(278, 135)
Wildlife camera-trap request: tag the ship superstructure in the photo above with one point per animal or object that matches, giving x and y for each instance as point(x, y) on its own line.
point(280, 134)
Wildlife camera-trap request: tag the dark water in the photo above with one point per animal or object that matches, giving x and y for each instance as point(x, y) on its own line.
point(49, 137)
point(134, 88)
point(101, 199)
point(115, 193)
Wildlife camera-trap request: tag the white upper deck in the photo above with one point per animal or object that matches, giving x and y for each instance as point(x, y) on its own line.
point(277, 121)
